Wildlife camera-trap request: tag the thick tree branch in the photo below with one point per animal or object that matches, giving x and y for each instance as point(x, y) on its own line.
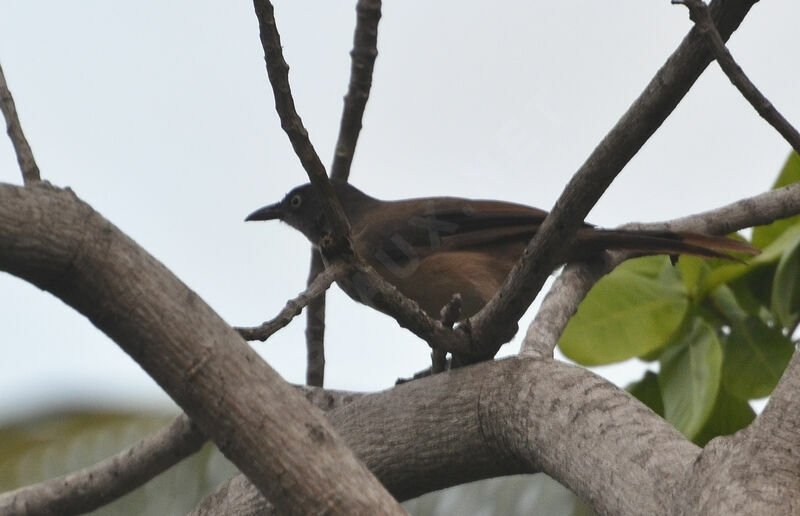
point(293, 307)
point(506, 417)
point(53, 240)
point(491, 326)
point(27, 164)
point(90, 488)
point(755, 469)
point(700, 14)
point(577, 279)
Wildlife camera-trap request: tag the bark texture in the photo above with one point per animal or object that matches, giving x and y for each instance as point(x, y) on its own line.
point(286, 447)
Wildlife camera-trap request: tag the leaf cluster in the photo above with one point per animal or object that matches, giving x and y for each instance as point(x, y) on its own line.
point(721, 332)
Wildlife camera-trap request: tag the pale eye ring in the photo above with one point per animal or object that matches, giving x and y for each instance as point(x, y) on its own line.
point(295, 201)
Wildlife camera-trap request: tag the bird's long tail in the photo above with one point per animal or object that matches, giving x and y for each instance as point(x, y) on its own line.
point(665, 242)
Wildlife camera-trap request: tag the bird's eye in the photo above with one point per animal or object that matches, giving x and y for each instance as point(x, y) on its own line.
point(295, 201)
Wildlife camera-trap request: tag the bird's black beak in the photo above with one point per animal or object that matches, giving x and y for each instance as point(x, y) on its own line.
point(271, 212)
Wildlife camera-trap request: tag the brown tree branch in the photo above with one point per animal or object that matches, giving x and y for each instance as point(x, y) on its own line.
point(577, 279)
point(278, 72)
point(406, 311)
point(495, 324)
point(294, 306)
point(27, 164)
point(507, 417)
point(90, 488)
point(286, 447)
point(699, 13)
point(365, 50)
point(315, 328)
point(561, 302)
point(724, 477)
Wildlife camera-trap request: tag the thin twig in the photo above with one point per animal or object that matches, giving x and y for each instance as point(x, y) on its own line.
point(365, 50)
point(27, 164)
point(405, 310)
point(315, 328)
point(87, 489)
point(577, 279)
point(294, 306)
point(496, 323)
point(278, 72)
point(699, 13)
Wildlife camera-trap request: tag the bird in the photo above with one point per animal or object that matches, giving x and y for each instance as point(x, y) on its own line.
point(432, 248)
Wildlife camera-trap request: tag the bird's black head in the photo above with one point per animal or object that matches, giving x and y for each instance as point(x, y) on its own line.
point(301, 209)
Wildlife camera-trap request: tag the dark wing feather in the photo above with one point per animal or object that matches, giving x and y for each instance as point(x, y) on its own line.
point(404, 231)
point(444, 224)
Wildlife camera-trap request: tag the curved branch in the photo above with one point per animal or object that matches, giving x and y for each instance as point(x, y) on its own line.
point(760, 459)
point(92, 487)
point(53, 240)
point(508, 417)
point(577, 279)
point(490, 326)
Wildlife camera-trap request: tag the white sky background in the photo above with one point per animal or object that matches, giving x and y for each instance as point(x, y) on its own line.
point(159, 115)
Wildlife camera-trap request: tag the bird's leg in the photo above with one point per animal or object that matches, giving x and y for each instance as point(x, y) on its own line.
point(450, 314)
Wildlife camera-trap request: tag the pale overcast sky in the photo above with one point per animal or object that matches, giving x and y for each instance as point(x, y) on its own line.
point(159, 115)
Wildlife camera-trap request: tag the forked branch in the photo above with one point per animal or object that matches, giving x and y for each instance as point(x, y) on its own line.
point(700, 14)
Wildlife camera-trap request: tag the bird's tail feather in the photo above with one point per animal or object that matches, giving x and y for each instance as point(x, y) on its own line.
point(666, 242)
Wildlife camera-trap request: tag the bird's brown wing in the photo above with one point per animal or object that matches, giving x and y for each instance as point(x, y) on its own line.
point(420, 227)
point(433, 248)
point(476, 224)
point(451, 224)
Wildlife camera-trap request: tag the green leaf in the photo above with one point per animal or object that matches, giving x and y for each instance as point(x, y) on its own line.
point(631, 312)
point(730, 415)
point(692, 270)
point(753, 291)
point(785, 300)
point(769, 255)
point(690, 377)
point(755, 357)
point(648, 392)
point(702, 275)
point(764, 235)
